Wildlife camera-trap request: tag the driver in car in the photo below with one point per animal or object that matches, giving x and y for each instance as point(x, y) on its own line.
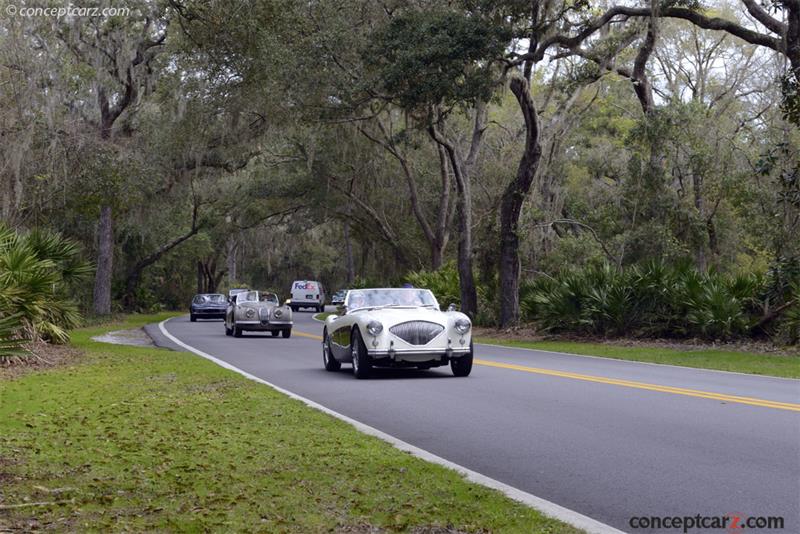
point(410, 298)
point(357, 300)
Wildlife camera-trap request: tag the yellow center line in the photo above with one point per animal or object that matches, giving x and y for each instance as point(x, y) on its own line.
point(752, 401)
point(303, 334)
point(643, 385)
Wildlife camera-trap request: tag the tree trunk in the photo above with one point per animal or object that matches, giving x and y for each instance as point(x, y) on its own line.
point(201, 276)
point(105, 258)
point(442, 230)
point(348, 253)
point(699, 205)
point(462, 170)
point(232, 246)
point(511, 206)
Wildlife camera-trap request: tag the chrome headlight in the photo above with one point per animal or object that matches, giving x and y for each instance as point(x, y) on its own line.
point(250, 313)
point(374, 328)
point(463, 326)
point(278, 313)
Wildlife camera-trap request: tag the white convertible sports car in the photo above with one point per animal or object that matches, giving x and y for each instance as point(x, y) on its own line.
point(396, 328)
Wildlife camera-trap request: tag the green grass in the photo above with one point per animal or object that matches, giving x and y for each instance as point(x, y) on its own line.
point(322, 316)
point(143, 439)
point(724, 360)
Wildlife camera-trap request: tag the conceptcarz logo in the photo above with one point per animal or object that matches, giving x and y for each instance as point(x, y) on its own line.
point(733, 522)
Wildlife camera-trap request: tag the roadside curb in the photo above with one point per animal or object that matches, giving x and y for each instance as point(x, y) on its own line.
point(544, 506)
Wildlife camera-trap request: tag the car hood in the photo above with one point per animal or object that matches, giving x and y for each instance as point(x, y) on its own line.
point(257, 305)
point(392, 316)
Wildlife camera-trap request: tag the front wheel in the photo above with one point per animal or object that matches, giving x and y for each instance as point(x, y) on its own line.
point(462, 366)
point(237, 331)
point(330, 362)
point(286, 333)
point(274, 333)
point(228, 331)
point(192, 318)
point(362, 367)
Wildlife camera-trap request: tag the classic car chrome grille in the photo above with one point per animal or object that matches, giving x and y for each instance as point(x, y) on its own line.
point(417, 332)
point(263, 314)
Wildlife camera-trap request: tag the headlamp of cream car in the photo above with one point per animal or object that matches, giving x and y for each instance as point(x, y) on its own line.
point(374, 328)
point(462, 326)
point(250, 313)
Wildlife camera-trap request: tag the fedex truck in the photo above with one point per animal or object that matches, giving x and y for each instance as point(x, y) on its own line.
point(307, 294)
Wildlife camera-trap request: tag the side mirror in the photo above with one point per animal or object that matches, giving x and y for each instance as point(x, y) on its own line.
point(452, 308)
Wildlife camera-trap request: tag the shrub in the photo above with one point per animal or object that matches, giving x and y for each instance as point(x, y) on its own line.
point(649, 299)
point(38, 271)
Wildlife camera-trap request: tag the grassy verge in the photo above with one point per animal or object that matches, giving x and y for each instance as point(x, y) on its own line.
point(322, 316)
point(723, 360)
point(144, 439)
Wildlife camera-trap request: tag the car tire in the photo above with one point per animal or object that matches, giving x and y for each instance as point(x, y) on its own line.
point(274, 333)
point(462, 366)
point(237, 332)
point(286, 333)
point(228, 331)
point(328, 360)
point(192, 318)
point(362, 367)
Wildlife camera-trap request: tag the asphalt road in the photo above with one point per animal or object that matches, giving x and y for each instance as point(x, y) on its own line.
point(608, 439)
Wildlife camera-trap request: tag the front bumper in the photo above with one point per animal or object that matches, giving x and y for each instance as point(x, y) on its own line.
point(416, 355)
point(208, 312)
point(264, 326)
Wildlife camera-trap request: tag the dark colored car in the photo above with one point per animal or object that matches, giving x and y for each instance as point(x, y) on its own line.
point(338, 298)
point(208, 306)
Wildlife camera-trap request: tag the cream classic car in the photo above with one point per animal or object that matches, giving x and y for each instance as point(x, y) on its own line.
point(258, 312)
point(396, 328)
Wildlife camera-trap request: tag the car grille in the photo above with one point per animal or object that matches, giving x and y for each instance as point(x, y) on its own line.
point(263, 314)
point(417, 332)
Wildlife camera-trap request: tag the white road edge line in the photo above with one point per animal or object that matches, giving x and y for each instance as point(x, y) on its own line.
point(544, 506)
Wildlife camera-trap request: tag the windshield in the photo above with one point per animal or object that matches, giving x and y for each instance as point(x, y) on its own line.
point(209, 299)
point(247, 296)
point(269, 297)
point(371, 298)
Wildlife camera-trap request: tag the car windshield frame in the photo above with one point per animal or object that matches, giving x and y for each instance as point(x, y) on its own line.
point(247, 296)
point(390, 298)
point(269, 297)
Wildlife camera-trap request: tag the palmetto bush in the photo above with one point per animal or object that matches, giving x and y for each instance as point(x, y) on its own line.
point(38, 271)
point(558, 303)
point(653, 299)
point(789, 328)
